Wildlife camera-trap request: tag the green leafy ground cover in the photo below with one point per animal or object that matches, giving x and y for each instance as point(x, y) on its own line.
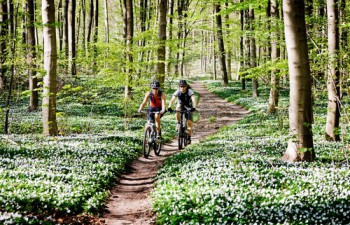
point(46, 178)
point(236, 176)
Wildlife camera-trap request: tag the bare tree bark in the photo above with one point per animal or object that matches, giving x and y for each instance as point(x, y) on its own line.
point(161, 38)
point(106, 22)
point(60, 20)
point(275, 54)
point(90, 22)
point(31, 57)
point(95, 37)
point(71, 37)
point(333, 81)
point(300, 146)
point(50, 67)
point(221, 46)
point(241, 45)
point(129, 35)
point(255, 83)
point(3, 38)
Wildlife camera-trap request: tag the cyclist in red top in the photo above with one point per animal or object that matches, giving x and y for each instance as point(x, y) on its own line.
point(156, 99)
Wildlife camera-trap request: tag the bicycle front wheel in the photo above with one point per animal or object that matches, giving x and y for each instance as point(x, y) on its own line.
point(146, 147)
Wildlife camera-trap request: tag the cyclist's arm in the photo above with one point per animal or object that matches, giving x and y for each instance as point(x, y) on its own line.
point(172, 101)
point(163, 102)
point(194, 102)
point(144, 101)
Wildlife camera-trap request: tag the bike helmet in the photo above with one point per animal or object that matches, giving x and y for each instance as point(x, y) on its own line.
point(183, 83)
point(155, 84)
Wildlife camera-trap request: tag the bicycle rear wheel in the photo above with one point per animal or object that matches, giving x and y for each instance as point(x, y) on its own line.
point(146, 147)
point(158, 145)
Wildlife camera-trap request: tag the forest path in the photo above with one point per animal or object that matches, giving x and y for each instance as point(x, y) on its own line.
point(129, 202)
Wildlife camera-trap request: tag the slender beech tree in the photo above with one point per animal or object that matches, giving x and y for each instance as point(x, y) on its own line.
point(333, 81)
point(300, 146)
point(3, 41)
point(90, 23)
point(170, 36)
point(252, 49)
point(71, 37)
point(129, 36)
point(31, 57)
point(106, 21)
point(229, 49)
point(50, 67)
point(161, 52)
point(275, 54)
point(60, 22)
point(65, 47)
point(221, 46)
point(95, 37)
point(83, 39)
point(241, 45)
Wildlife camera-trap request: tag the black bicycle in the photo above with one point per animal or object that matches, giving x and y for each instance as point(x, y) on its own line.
point(183, 135)
point(150, 139)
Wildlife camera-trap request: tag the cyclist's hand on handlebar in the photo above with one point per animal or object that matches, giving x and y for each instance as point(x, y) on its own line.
point(193, 109)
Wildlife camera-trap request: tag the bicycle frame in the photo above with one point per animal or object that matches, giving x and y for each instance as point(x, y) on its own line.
point(149, 139)
point(183, 136)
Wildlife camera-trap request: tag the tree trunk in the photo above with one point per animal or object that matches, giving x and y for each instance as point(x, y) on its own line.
point(241, 46)
point(162, 38)
point(106, 22)
point(275, 54)
point(90, 22)
point(31, 57)
point(71, 36)
point(180, 35)
point(255, 84)
point(300, 146)
point(65, 29)
point(83, 10)
point(221, 46)
point(171, 24)
point(129, 35)
point(50, 67)
point(60, 27)
point(333, 81)
point(229, 51)
point(95, 37)
point(3, 42)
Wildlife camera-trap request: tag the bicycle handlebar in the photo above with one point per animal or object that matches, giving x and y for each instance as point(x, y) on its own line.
point(146, 111)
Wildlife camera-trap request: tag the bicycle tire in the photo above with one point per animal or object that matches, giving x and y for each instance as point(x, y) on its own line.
point(185, 141)
point(180, 138)
point(158, 146)
point(146, 146)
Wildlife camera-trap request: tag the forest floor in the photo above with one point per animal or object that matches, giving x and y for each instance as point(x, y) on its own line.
point(129, 201)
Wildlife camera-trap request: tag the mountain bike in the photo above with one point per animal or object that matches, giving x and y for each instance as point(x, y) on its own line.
point(150, 139)
point(183, 135)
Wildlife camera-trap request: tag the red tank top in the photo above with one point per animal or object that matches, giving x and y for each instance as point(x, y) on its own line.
point(155, 101)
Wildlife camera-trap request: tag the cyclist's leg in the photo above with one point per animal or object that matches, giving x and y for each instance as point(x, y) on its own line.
point(157, 120)
point(189, 123)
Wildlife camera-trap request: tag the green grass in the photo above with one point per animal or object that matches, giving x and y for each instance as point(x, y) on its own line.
point(236, 176)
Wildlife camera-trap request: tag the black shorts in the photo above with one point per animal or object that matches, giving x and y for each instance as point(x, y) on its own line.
point(151, 111)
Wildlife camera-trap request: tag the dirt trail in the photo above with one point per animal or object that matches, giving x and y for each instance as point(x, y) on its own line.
point(129, 202)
